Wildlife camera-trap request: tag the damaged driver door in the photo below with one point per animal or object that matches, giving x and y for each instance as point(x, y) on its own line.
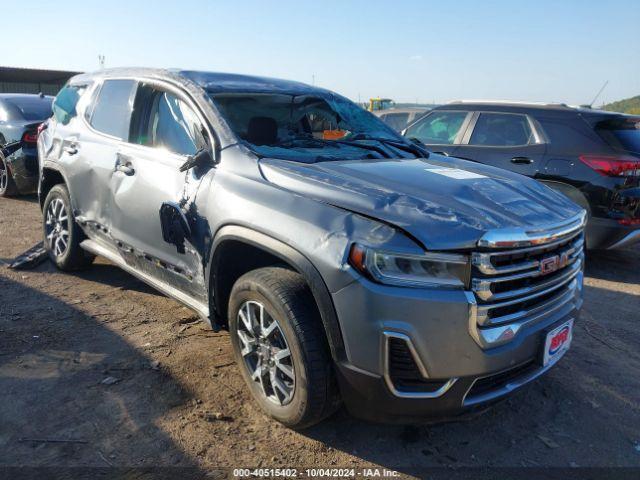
point(152, 194)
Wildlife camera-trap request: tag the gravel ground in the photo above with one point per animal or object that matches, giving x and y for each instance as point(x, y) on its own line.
point(128, 377)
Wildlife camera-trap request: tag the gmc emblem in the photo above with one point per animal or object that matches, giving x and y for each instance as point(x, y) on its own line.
point(551, 264)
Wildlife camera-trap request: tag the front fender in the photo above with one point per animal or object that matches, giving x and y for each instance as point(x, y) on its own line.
point(292, 257)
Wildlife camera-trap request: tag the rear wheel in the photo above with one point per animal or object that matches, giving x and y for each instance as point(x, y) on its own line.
point(279, 343)
point(62, 235)
point(7, 185)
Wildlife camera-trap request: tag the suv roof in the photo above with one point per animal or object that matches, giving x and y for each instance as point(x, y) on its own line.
point(515, 106)
point(216, 82)
point(401, 110)
point(221, 82)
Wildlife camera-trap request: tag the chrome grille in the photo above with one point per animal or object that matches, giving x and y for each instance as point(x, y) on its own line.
point(515, 287)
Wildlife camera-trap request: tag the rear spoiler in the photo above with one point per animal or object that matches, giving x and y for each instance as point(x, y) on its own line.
point(611, 120)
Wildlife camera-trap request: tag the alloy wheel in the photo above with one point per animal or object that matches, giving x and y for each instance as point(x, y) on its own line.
point(266, 353)
point(4, 176)
point(57, 227)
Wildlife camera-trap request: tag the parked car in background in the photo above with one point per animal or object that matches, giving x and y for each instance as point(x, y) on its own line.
point(399, 118)
point(591, 156)
point(347, 262)
point(20, 115)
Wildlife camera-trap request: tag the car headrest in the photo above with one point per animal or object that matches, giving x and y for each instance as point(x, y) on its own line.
point(262, 131)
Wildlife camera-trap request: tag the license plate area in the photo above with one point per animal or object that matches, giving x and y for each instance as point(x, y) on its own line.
point(557, 342)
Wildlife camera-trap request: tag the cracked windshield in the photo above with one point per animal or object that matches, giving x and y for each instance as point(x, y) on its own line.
point(310, 128)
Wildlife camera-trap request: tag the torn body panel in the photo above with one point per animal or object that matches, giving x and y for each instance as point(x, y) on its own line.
point(175, 226)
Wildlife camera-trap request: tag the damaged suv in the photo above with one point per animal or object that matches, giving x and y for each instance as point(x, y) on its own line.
point(347, 263)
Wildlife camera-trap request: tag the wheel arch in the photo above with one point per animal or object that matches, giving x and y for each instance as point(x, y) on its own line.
point(50, 176)
point(265, 247)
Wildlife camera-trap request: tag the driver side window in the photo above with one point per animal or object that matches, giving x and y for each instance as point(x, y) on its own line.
point(167, 122)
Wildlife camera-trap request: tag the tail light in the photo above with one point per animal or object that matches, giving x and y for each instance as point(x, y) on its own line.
point(30, 137)
point(612, 166)
point(629, 222)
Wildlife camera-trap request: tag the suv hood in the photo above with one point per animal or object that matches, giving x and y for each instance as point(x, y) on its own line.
point(446, 203)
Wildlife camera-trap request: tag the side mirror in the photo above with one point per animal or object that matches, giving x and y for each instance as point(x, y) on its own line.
point(199, 159)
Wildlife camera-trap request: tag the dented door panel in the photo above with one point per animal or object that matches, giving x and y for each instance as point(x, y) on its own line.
point(85, 157)
point(89, 175)
point(149, 179)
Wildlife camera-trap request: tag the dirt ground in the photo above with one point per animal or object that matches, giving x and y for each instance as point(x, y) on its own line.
point(128, 377)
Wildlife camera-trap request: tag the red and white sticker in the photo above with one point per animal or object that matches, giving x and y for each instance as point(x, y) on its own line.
point(557, 342)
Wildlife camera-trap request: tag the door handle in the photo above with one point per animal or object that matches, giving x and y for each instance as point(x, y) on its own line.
point(70, 148)
point(521, 160)
point(126, 169)
point(123, 164)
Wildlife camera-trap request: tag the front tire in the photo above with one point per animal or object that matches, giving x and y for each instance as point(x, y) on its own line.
point(62, 235)
point(280, 346)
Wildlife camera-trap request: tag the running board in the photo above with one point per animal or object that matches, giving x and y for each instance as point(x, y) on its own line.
point(196, 305)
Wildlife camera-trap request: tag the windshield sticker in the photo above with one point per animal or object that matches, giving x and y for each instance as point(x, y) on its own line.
point(455, 173)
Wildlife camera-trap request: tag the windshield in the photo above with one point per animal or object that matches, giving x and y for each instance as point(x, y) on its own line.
point(310, 128)
point(30, 108)
point(622, 133)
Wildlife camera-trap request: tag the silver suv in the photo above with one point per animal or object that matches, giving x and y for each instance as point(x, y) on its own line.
point(347, 263)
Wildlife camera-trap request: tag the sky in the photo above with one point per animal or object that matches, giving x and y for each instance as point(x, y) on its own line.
point(411, 51)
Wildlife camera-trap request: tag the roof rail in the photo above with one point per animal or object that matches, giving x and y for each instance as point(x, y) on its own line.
point(513, 102)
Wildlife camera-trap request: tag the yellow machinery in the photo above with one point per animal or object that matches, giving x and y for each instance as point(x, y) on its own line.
point(380, 104)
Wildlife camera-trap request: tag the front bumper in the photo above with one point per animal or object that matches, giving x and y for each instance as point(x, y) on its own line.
point(606, 233)
point(368, 397)
point(437, 327)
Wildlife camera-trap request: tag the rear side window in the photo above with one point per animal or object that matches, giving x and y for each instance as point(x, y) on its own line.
point(502, 130)
point(112, 110)
point(622, 133)
point(567, 134)
point(163, 120)
point(64, 105)
point(397, 121)
point(437, 128)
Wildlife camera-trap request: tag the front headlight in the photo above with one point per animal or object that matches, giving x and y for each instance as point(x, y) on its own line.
point(440, 270)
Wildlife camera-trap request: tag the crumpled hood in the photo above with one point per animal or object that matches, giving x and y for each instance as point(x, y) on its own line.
point(446, 203)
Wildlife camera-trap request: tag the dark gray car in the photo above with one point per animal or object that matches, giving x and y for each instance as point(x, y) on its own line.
point(591, 156)
point(20, 115)
point(347, 263)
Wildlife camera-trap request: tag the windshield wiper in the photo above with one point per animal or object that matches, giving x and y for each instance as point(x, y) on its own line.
point(322, 141)
point(414, 149)
point(372, 148)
